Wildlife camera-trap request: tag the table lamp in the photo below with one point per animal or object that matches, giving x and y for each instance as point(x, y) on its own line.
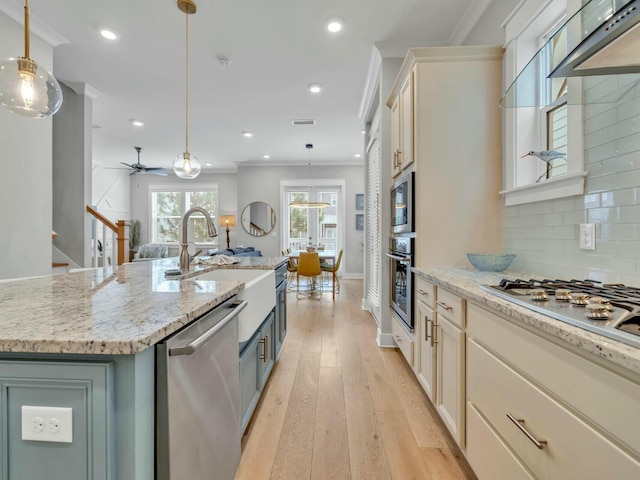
point(228, 221)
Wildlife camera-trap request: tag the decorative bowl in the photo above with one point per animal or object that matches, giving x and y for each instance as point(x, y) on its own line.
point(311, 249)
point(488, 262)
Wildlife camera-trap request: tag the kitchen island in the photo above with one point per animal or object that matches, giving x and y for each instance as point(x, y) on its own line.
point(85, 340)
point(523, 394)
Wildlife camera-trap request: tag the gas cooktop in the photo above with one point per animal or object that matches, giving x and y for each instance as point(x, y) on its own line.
point(611, 310)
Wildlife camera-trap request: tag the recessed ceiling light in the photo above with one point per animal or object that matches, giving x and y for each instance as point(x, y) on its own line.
point(266, 156)
point(247, 134)
point(137, 123)
point(362, 132)
point(108, 34)
point(357, 155)
point(315, 87)
point(334, 25)
point(207, 164)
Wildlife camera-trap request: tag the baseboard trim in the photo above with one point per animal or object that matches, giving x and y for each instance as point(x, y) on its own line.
point(385, 340)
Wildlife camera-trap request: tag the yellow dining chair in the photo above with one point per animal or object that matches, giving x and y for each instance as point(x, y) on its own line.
point(333, 270)
point(308, 266)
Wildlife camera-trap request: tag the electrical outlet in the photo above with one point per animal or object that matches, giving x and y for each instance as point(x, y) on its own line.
point(587, 236)
point(47, 424)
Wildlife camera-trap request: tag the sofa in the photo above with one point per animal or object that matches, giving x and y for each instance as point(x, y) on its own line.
point(237, 252)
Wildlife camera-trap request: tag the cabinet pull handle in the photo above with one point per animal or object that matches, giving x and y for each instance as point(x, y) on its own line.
point(444, 305)
point(520, 424)
point(398, 339)
point(434, 329)
point(426, 329)
point(266, 348)
point(422, 292)
point(263, 357)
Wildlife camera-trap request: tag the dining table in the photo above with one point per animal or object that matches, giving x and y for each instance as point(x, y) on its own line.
point(327, 255)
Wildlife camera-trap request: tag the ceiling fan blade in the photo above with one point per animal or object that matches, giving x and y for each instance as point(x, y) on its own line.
point(130, 166)
point(133, 172)
point(116, 168)
point(158, 171)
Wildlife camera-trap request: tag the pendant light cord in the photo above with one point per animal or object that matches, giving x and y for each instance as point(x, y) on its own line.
point(26, 28)
point(187, 88)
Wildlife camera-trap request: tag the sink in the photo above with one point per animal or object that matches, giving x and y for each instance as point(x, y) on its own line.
point(259, 292)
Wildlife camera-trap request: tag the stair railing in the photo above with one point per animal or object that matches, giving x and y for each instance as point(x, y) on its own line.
point(115, 235)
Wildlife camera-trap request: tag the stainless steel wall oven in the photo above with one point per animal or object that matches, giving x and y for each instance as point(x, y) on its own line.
point(400, 278)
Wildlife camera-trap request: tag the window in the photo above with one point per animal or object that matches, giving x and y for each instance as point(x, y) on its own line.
point(552, 119)
point(168, 206)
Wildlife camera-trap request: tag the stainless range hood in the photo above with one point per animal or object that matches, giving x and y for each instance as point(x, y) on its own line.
point(603, 38)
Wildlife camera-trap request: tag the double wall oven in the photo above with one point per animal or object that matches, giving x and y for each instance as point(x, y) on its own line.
point(400, 289)
point(401, 249)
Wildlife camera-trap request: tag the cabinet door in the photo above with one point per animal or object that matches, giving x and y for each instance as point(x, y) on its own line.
point(267, 348)
point(395, 138)
point(250, 375)
point(450, 366)
point(405, 155)
point(425, 324)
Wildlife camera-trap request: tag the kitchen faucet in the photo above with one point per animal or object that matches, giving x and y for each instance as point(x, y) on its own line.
point(184, 254)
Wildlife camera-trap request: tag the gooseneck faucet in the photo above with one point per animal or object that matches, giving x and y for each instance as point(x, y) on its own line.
point(184, 254)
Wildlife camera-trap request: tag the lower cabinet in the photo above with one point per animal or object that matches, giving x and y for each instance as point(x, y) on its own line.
point(538, 411)
point(281, 316)
point(440, 362)
point(257, 359)
point(425, 321)
point(450, 377)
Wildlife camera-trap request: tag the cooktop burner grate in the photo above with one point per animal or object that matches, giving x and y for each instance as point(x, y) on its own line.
point(619, 320)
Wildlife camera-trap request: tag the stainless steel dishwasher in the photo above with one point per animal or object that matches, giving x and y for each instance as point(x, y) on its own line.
point(198, 398)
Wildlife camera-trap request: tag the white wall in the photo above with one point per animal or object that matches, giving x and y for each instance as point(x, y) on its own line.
point(25, 183)
point(487, 30)
point(111, 192)
point(258, 183)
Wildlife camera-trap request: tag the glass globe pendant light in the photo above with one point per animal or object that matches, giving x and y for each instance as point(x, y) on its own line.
point(187, 165)
point(25, 87)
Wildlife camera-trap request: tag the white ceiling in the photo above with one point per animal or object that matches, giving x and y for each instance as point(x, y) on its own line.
point(276, 48)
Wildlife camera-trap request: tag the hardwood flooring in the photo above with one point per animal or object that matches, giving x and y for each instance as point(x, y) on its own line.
point(338, 407)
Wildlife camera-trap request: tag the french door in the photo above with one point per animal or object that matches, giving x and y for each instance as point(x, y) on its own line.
point(307, 224)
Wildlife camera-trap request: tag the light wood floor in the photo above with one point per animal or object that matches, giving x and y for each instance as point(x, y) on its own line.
point(338, 407)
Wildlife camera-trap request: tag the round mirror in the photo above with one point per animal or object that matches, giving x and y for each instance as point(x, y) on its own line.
point(258, 219)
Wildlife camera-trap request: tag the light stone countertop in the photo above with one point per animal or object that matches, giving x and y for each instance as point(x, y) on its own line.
point(111, 311)
point(466, 282)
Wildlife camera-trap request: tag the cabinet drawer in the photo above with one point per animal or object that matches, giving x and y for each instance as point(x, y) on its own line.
point(403, 339)
point(580, 383)
point(451, 306)
point(425, 292)
point(487, 454)
point(573, 450)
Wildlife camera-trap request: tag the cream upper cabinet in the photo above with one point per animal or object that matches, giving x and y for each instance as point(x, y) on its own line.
point(396, 133)
point(405, 154)
point(448, 129)
point(402, 111)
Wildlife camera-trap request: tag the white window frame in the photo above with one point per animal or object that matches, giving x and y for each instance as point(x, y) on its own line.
point(210, 187)
point(524, 126)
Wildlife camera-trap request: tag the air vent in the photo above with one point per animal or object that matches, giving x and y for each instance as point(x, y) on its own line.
point(303, 122)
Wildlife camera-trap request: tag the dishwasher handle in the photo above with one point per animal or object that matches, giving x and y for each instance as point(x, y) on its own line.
point(212, 332)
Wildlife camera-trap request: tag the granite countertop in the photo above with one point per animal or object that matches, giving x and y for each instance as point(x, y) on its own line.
point(467, 281)
point(111, 311)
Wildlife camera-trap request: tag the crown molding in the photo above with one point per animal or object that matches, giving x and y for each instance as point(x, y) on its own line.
point(371, 84)
point(468, 21)
point(82, 88)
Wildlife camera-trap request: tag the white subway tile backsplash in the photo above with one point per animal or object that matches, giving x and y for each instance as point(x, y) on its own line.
point(544, 235)
point(618, 197)
point(630, 214)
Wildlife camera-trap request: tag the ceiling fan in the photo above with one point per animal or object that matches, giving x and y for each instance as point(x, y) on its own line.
point(140, 168)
